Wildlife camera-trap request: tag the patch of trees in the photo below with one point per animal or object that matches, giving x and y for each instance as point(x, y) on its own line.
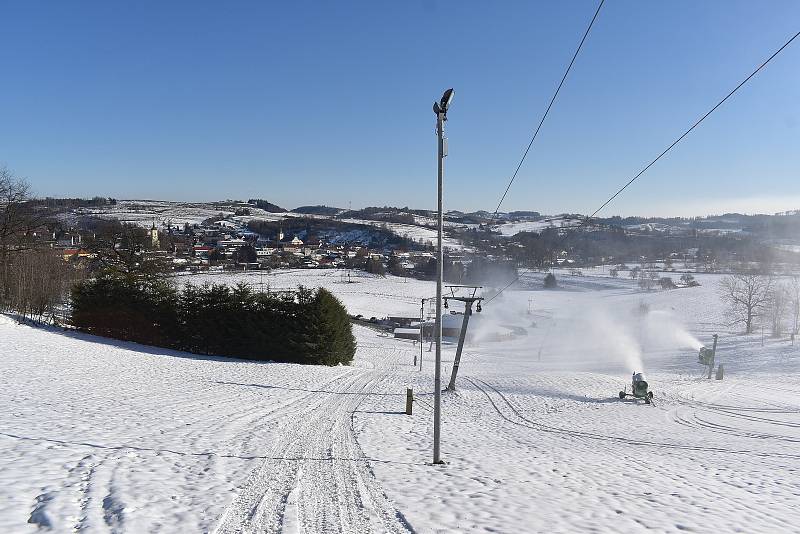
point(72, 203)
point(266, 205)
point(34, 280)
point(306, 326)
point(775, 226)
point(246, 254)
point(386, 214)
point(318, 210)
point(122, 249)
point(333, 231)
point(524, 214)
point(452, 271)
point(482, 271)
point(537, 250)
point(38, 284)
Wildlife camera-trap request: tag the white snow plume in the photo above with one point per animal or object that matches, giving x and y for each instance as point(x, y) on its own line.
point(583, 334)
point(664, 331)
point(606, 337)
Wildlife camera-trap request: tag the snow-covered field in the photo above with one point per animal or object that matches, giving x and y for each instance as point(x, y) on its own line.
point(118, 437)
point(147, 212)
point(513, 228)
point(362, 293)
point(410, 231)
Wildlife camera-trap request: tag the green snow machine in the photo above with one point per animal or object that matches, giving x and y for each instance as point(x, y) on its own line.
point(638, 389)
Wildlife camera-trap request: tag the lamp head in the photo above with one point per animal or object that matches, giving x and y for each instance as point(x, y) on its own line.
point(444, 104)
point(447, 98)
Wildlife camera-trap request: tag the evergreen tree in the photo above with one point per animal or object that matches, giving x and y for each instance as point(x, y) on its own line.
point(328, 336)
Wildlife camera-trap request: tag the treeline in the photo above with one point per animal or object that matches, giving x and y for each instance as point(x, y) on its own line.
point(266, 205)
point(540, 249)
point(317, 210)
point(72, 203)
point(332, 230)
point(385, 214)
point(308, 327)
point(34, 279)
point(37, 285)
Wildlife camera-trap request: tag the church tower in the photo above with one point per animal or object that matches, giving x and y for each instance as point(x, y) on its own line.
point(154, 235)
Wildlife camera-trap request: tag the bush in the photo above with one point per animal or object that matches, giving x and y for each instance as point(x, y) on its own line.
point(550, 281)
point(689, 281)
point(308, 326)
point(666, 283)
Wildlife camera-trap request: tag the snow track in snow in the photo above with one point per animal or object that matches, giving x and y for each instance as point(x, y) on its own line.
point(493, 394)
point(315, 477)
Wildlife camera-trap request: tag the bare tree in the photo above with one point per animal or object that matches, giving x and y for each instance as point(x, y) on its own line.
point(648, 280)
point(746, 295)
point(34, 279)
point(121, 249)
point(794, 303)
point(40, 282)
point(777, 307)
point(16, 223)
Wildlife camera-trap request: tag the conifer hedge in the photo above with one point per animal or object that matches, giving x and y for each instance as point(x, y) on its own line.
point(306, 326)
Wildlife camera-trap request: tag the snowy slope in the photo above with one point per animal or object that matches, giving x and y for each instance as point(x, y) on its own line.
point(112, 436)
point(362, 293)
point(536, 439)
point(513, 228)
point(417, 233)
point(116, 437)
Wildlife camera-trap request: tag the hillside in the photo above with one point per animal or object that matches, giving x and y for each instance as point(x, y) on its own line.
point(173, 441)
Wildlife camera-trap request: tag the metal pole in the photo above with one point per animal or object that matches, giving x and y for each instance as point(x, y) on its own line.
point(713, 357)
point(421, 331)
point(437, 374)
point(462, 336)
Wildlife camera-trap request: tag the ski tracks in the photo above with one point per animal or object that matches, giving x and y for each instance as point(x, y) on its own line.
point(315, 477)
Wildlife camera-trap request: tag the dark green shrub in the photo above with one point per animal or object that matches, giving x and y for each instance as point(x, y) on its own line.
point(307, 326)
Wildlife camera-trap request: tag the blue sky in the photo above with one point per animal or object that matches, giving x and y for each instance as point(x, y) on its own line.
point(330, 102)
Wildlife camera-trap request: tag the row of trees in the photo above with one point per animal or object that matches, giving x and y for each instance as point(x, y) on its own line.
point(309, 327)
point(34, 279)
point(756, 299)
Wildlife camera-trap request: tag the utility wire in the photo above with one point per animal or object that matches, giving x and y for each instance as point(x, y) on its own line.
point(547, 111)
point(587, 220)
point(701, 119)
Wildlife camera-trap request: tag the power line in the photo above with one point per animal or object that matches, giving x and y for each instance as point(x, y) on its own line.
point(587, 220)
point(701, 119)
point(547, 111)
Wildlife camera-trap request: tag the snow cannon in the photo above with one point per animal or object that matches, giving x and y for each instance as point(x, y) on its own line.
point(706, 356)
point(639, 389)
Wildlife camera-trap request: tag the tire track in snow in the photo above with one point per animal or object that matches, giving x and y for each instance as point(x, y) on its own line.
point(316, 478)
point(536, 425)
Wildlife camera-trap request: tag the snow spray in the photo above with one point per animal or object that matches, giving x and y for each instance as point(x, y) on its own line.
point(664, 330)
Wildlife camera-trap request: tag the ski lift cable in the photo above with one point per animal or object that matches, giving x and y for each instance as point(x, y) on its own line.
point(588, 220)
point(547, 111)
point(695, 125)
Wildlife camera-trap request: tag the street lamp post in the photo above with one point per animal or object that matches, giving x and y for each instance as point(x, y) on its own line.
point(440, 109)
point(421, 333)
